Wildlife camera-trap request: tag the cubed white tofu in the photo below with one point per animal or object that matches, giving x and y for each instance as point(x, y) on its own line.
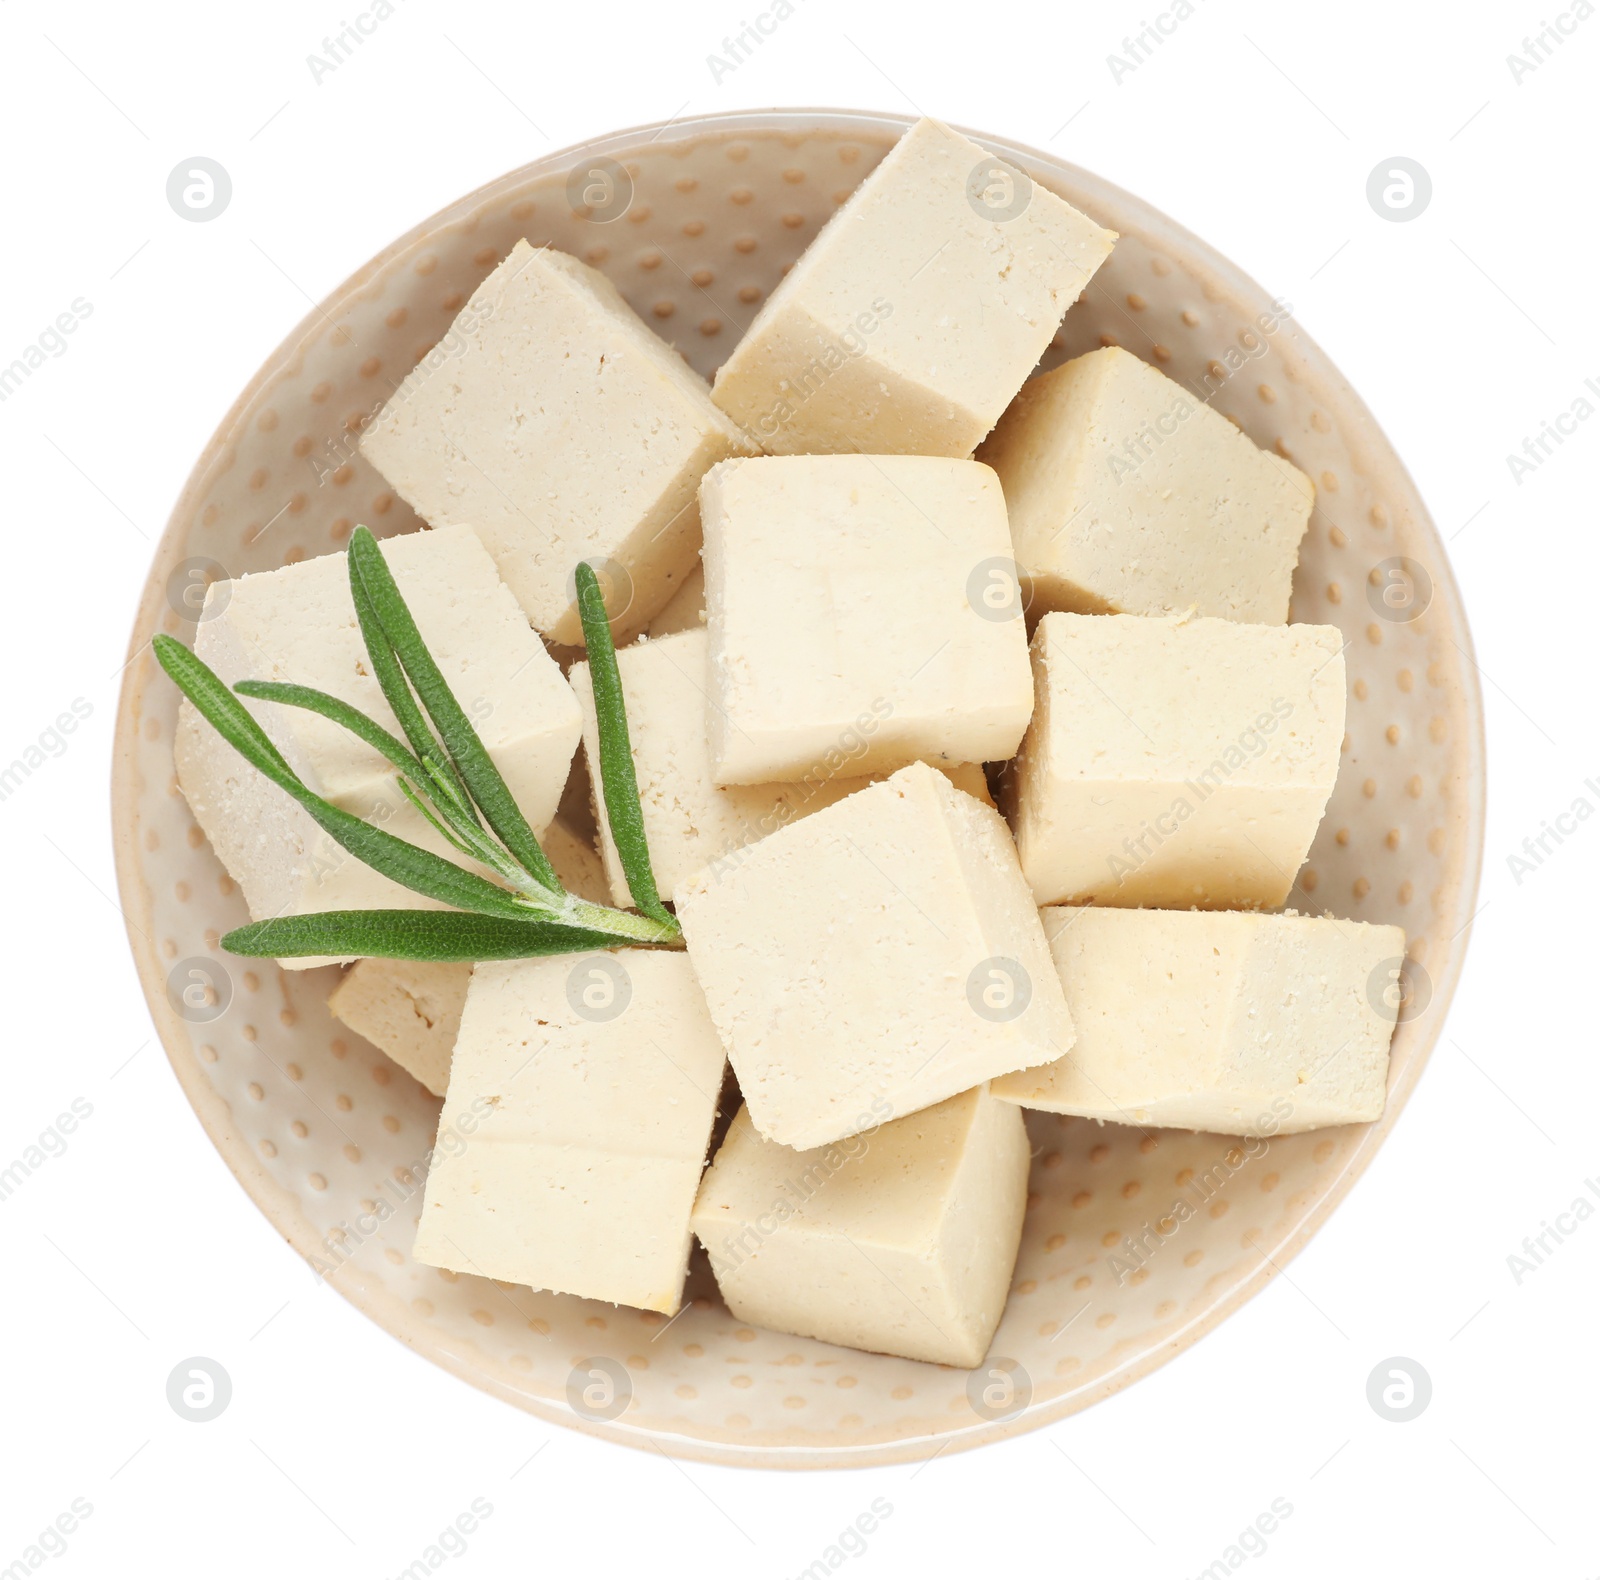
point(561, 429)
point(915, 315)
point(873, 959)
point(1129, 494)
point(583, 1088)
point(411, 1009)
point(1175, 762)
point(408, 1009)
point(846, 598)
point(1227, 1021)
point(902, 1240)
point(298, 624)
point(576, 861)
point(689, 819)
point(687, 609)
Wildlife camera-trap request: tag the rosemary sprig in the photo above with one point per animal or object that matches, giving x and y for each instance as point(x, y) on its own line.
point(619, 783)
point(473, 764)
point(412, 935)
point(408, 864)
point(444, 770)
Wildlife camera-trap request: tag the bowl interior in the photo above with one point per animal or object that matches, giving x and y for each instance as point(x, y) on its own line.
point(696, 223)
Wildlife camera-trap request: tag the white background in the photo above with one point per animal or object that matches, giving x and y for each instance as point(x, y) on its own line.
point(1255, 125)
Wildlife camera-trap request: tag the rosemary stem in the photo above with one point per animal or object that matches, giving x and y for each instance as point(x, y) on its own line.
point(628, 926)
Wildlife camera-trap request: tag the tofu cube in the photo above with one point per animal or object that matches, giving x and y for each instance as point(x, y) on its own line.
point(1226, 1021)
point(298, 624)
point(846, 597)
point(1129, 494)
point(689, 819)
point(408, 1009)
point(577, 862)
point(411, 1009)
point(560, 428)
point(873, 959)
point(686, 611)
point(902, 1240)
point(915, 315)
point(1175, 762)
point(583, 1089)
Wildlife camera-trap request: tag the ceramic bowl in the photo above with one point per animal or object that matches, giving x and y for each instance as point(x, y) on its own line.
point(696, 222)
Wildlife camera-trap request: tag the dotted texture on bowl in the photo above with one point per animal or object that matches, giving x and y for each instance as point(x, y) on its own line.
point(1115, 1275)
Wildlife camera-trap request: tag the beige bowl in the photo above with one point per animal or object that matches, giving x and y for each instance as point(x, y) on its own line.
point(323, 1132)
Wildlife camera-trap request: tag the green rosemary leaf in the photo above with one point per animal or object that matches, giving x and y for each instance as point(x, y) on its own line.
point(390, 677)
point(409, 865)
point(410, 935)
point(340, 712)
point(619, 784)
point(425, 809)
point(467, 753)
point(446, 807)
point(222, 710)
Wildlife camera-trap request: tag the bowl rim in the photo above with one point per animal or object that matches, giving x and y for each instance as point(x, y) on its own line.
point(281, 1208)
